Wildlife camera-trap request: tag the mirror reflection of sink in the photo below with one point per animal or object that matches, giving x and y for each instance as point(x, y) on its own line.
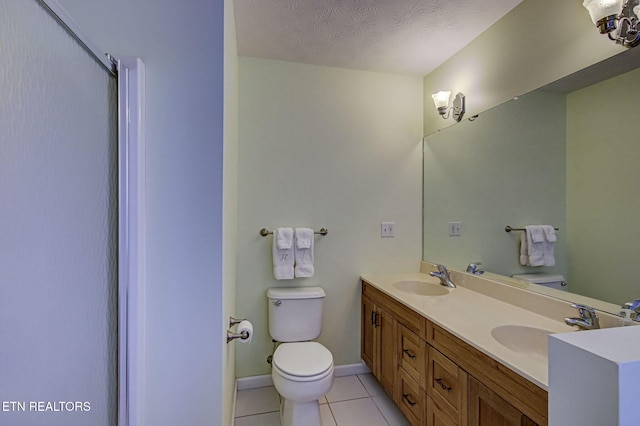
point(523, 339)
point(422, 288)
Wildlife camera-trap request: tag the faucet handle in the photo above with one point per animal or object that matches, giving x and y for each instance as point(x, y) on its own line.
point(634, 305)
point(586, 312)
point(472, 268)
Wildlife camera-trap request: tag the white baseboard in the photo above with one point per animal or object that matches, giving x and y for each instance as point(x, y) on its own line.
point(350, 369)
point(253, 382)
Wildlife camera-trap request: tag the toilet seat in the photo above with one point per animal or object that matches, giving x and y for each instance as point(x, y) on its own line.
point(302, 361)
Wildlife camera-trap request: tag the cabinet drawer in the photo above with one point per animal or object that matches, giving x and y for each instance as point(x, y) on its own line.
point(411, 399)
point(436, 416)
point(447, 385)
point(412, 354)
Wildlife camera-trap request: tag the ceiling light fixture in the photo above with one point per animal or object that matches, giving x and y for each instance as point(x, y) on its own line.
point(616, 18)
point(441, 99)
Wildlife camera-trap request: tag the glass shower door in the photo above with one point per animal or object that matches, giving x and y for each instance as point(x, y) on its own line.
point(58, 226)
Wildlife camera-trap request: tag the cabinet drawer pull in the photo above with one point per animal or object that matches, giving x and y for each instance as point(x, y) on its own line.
point(442, 385)
point(409, 354)
point(409, 401)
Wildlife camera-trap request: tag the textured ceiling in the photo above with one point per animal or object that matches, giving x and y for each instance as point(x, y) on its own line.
point(396, 36)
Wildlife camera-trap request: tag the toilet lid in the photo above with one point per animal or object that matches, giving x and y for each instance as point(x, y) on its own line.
point(302, 358)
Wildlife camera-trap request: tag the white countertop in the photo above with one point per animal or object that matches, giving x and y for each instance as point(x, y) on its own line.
point(470, 316)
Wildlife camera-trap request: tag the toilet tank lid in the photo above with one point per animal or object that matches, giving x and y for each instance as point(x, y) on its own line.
point(540, 278)
point(295, 293)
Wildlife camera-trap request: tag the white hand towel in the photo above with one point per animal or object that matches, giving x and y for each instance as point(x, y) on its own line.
point(549, 233)
point(304, 253)
point(535, 245)
point(284, 238)
point(524, 253)
point(549, 245)
point(283, 259)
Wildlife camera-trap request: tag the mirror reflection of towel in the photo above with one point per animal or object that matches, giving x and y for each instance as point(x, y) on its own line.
point(537, 246)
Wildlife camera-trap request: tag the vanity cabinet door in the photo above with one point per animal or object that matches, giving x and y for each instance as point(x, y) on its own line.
point(486, 408)
point(386, 351)
point(378, 344)
point(367, 324)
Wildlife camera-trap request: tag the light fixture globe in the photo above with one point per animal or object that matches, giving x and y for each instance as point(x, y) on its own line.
point(441, 99)
point(604, 13)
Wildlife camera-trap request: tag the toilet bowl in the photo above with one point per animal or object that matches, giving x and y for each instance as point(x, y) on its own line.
point(302, 373)
point(302, 370)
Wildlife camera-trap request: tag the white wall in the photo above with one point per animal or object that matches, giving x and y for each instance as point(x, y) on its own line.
point(182, 48)
point(325, 147)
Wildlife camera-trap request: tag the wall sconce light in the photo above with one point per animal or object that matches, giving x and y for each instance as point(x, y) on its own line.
point(616, 18)
point(441, 99)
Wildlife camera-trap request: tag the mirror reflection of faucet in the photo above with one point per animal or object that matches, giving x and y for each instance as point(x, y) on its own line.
point(443, 274)
point(588, 319)
point(472, 268)
point(630, 312)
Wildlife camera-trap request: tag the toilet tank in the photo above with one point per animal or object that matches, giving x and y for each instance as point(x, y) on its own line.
point(295, 313)
point(547, 280)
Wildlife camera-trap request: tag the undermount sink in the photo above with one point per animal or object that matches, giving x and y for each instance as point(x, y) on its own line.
point(523, 339)
point(422, 288)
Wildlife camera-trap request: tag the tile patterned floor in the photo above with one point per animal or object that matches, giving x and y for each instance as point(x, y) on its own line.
point(352, 401)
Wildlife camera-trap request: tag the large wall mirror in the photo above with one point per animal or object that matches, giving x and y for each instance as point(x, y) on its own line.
point(567, 155)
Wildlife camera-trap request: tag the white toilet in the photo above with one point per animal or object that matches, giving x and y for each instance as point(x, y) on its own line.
point(546, 280)
point(302, 370)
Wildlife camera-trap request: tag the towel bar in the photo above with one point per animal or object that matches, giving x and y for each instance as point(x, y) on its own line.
point(509, 229)
point(264, 232)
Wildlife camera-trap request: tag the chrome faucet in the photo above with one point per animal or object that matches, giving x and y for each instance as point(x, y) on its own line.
point(588, 320)
point(634, 306)
point(472, 268)
point(443, 274)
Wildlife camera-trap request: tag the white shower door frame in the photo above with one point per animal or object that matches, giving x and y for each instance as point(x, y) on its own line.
point(131, 239)
point(130, 72)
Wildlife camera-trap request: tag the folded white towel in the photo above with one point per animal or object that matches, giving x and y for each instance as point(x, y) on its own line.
point(304, 238)
point(549, 233)
point(304, 253)
point(524, 253)
point(537, 246)
point(549, 245)
point(284, 238)
point(283, 259)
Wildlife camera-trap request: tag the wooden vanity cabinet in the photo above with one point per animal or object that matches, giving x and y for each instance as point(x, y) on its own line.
point(437, 379)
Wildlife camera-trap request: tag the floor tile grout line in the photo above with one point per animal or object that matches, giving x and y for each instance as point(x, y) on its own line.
point(372, 400)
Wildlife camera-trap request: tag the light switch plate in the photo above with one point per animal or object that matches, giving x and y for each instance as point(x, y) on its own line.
point(387, 229)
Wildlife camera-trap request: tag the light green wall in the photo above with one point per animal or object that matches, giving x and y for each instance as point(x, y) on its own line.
point(325, 147)
point(505, 168)
point(536, 43)
point(603, 200)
